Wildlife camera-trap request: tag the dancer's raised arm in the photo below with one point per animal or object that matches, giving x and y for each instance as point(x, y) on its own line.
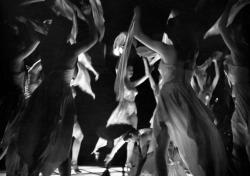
point(143, 79)
point(157, 46)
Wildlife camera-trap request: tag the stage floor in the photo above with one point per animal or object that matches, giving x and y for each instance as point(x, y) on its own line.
point(92, 171)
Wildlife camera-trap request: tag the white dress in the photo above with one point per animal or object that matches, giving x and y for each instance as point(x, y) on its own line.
point(189, 123)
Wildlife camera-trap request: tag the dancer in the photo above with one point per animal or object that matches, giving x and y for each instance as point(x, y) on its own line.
point(206, 86)
point(234, 29)
point(125, 115)
point(49, 117)
point(82, 80)
point(180, 116)
point(13, 104)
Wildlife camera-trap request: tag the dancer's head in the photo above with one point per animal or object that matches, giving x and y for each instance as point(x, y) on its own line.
point(181, 30)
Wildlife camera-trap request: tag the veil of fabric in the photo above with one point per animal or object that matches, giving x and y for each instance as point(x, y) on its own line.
point(122, 66)
point(97, 11)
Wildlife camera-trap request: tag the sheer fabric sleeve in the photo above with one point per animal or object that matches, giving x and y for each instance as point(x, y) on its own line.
point(122, 66)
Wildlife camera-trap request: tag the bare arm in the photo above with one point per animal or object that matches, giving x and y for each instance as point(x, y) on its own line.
point(217, 74)
point(18, 61)
point(120, 142)
point(166, 51)
point(28, 51)
point(85, 60)
point(153, 85)
point(85, 45)
point(143, 79)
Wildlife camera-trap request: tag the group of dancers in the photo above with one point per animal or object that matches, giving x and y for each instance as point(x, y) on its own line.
point(185, 134)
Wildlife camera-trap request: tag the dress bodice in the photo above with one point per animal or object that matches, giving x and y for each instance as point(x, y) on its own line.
point(174, 73)
point(130, 94)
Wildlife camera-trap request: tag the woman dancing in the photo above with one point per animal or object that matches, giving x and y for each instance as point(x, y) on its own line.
point(124, 114)
point(12, 106)
point(234, 29)
point(81, 80)
point(180, 115)
point(47, 124)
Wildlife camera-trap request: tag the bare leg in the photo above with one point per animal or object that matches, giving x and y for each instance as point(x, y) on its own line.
point(100, 143)
point(118, 143)
point(78, 135)
point(160, 152)
point(130, 148)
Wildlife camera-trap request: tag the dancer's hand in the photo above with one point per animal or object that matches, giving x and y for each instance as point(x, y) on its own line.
point(96, 76)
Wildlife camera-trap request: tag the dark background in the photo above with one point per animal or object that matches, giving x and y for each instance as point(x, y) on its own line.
point(94, 113)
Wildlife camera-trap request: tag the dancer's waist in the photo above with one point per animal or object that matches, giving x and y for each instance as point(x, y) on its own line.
point(60, 75)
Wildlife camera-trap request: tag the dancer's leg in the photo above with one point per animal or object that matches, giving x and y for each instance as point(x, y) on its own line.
point(78, 135)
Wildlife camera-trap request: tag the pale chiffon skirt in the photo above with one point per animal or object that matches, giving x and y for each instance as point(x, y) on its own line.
point(190, 127)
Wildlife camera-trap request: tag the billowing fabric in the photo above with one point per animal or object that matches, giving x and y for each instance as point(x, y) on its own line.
point(46, 126)
point(126, 111)
point(145, 154)
point(124, 115)
point(188, 123)
point(240, 122)
point(82, 79)
point(97, 11)
point(122, 66)
point(12, 104)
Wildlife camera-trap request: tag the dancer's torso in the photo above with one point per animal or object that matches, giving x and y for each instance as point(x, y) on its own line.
point(174, 73)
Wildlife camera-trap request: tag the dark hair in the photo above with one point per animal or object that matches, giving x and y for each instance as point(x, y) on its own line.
point(182, 31)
